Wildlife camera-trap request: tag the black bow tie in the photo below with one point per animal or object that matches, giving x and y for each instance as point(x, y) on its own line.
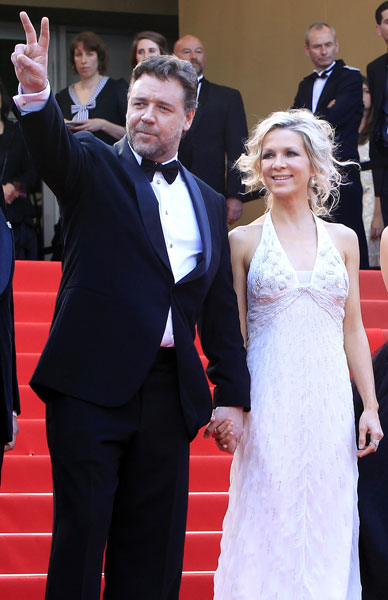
point(169, 170)
point(324, 74)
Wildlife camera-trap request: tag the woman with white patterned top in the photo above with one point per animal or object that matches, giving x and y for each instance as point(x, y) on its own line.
point(95, 103)
point(291, 528)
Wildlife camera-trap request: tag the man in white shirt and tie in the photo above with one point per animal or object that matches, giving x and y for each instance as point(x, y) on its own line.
point(334, 93)
point(146, 258)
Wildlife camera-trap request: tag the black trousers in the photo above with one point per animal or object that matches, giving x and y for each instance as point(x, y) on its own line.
point(349, 211)
point(120, 480)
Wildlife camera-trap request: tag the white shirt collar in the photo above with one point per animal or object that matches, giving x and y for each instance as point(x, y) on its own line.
point(326, 69)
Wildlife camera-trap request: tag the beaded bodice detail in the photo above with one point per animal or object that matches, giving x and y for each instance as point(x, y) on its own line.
point(273, 283)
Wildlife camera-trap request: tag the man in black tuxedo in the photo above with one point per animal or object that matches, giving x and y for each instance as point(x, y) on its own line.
point(9, 394)
point(146, 257)
point(378, 88)
point(334, 92)
point(216, 138)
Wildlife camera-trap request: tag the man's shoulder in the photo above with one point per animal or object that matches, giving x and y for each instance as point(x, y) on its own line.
point(221, 90)
point(377, 62)
point(342, 69)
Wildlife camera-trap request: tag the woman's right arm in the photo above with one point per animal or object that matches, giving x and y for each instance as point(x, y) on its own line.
point(238, 246)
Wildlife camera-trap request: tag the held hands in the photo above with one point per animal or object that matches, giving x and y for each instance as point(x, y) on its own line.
point(30, 59)
point(369, 424)
point(226, 427)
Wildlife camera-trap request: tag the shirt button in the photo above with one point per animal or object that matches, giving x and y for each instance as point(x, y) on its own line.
point(158, 181)
point(166, 213)
point(171, 245)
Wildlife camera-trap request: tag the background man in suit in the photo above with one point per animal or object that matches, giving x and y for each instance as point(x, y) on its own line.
point(9, 394)
point(334, 92)
point(378, 88)
point(146, 256)
point(216, 138)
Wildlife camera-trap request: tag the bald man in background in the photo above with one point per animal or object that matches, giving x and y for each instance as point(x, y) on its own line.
point(216, 137)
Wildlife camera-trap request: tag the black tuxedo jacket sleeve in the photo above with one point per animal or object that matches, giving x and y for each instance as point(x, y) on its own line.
point(117, 285)
point(9, 395)
point(377, 75)
point(219, 130)
point(345, 87)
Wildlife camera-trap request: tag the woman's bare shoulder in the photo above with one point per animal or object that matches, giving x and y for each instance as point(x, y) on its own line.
point(344, 238)
point(245, 239)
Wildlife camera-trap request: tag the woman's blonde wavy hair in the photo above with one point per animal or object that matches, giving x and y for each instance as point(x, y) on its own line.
point(318, 141)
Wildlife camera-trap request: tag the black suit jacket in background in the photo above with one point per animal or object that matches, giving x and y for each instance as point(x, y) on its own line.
point(117, 285)
point(217, 134)
point(9, 394)
point(377, 75)
point(345, 86)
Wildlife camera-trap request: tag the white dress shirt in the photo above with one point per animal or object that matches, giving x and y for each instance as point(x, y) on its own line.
point(318, 86)
point(180, 230)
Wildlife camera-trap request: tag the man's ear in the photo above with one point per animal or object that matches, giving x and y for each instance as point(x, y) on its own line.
point(189, 116)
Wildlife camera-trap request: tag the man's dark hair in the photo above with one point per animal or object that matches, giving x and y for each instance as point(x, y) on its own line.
point(379, 12)
point(91, 42)
point(170, 67)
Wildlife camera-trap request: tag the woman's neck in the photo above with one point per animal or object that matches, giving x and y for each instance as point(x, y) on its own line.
point(89, 83)
point(288, 210)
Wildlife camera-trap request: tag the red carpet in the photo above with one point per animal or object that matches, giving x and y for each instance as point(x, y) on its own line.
point(26, 494)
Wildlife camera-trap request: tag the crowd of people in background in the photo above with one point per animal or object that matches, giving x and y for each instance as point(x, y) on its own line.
point(334, 91)
point(289, 331)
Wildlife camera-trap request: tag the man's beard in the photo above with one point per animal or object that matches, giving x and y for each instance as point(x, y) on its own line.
point(197, 66)
point(156, 149)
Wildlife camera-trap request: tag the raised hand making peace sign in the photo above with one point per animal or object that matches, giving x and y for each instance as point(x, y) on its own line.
point(30, 59)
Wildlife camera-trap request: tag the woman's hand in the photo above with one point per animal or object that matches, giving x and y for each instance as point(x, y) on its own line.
point(369, 424)
point(377, 224)
point(10, 193)
point(91, 125)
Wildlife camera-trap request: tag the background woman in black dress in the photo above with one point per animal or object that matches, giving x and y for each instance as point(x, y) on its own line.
point(95, 103)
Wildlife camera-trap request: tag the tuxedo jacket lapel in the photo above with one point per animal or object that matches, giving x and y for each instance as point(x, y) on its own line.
point(327, 92)
point(203, 225)
point(146, 199)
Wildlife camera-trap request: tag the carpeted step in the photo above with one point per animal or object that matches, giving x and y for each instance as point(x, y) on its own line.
point(37, 276)
point(372, 285)
point(31, 513)
point(375, 313)
point(32, 406)
point(25, 364)
point(32, 552)
point(32, 474)
point(31, 337)
point(31, 439)
point(34, 307)
point(376, 338)
point(195, 586)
